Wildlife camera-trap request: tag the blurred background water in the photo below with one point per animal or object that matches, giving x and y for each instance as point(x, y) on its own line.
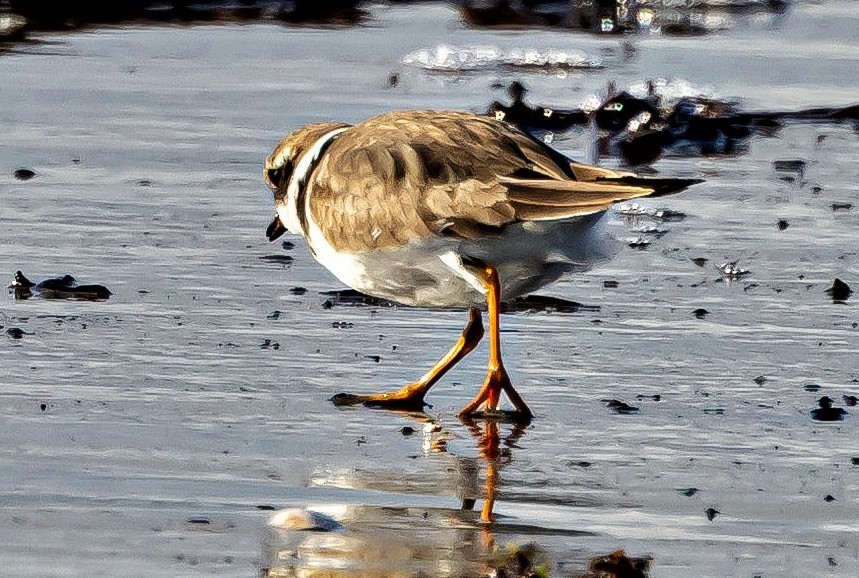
point(154, 432)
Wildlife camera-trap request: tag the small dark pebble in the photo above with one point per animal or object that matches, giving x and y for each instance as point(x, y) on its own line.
point(811, 387)
point(287, 245)
point(298, 290)
point(760, 380)
point(266, 508)
point(700, 261)
point(842, 206)
point(43, 407)
point(620, 406)
point(700, 313)
point(688, 492)
point(655, 397)
point(828, 498)
point(375, 358)
point(711, 513)
point(393, 79)
point(839, 291)
point(342, 324)
point(327, 304)
point(15, 332)
point(831, 561)
point(24, 174)
point(782, 225)
point(850, 400)
point(273, 315)
point(199, 521)
point(580, 464)
point(408, 431)
point(610, 284)
point(714, 411)
point(854, 461)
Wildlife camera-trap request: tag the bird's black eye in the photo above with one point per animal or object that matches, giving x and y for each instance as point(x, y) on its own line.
point(279, 175)
point(274, 176)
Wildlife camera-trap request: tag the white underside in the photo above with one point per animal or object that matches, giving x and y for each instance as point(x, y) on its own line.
point(528, 256)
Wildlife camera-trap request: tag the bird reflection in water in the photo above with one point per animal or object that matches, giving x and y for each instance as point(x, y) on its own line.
point(339, 540)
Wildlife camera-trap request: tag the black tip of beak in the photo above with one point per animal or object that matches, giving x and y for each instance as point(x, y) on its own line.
point(275, 229)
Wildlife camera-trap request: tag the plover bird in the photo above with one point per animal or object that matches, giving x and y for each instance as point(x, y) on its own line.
point(445, 209)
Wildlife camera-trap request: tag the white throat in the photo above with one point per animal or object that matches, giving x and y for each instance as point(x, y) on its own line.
point(288, 211)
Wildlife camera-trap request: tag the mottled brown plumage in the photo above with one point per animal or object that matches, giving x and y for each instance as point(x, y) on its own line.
point(401, 177)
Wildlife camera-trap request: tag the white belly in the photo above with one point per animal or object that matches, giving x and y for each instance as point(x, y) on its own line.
point(527, 256)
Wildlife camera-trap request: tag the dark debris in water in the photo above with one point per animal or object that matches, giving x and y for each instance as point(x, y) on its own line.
point(791, 171)
point(16, 333)
point(641, 129)
point(65, 287)
point(700, 313)
point(842, 206)
point(282, 259)
point(826, 411)
point(688, 492)
point(24, 174)
point(850, 400)
point(620, 406)
point(617, 565)
point(839, 290)
point(711, 513)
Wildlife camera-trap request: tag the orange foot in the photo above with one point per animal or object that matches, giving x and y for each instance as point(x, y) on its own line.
point(406, 399)
point(489, 398)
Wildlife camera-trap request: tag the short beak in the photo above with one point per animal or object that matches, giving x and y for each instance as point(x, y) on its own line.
point(275, 229)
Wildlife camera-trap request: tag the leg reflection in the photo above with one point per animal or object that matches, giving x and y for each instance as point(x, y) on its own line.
point(487, 433)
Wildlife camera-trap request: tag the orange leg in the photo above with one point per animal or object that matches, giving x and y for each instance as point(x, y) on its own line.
point(411, 397)
point(497, 379)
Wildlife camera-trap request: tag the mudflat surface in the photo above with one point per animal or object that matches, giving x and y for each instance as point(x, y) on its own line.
point(153, 433)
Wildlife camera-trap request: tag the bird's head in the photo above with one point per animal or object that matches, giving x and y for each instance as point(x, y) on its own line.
point(288, 167)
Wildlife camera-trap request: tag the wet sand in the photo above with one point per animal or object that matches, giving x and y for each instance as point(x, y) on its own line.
point(153, 433)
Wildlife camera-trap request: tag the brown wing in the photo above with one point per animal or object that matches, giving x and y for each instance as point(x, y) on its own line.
point(402, 177)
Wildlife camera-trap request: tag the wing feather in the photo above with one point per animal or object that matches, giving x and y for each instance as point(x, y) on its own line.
point(399, 178)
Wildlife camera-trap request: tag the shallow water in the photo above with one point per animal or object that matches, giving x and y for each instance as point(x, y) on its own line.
point(150, 434)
